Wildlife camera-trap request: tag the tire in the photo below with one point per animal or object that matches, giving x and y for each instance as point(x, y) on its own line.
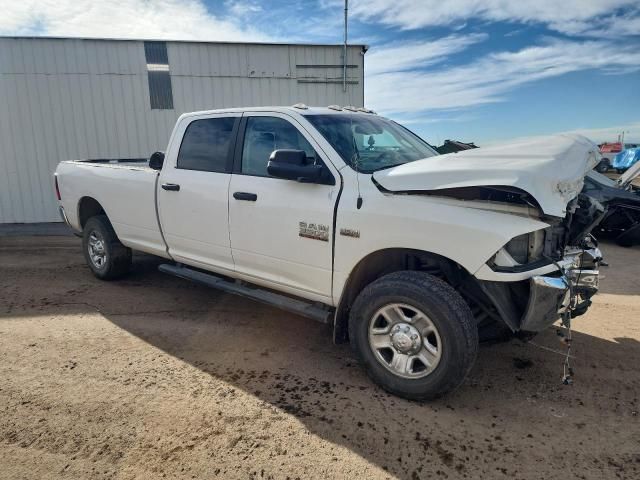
point(440, 318)
point(602, 167)
point(107, 258)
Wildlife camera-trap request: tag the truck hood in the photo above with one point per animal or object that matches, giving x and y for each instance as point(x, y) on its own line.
point(550, 169)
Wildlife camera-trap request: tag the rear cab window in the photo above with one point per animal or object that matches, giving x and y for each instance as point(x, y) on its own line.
point(206, 145)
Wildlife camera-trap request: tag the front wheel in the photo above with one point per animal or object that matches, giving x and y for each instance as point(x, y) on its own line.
point(414, 334)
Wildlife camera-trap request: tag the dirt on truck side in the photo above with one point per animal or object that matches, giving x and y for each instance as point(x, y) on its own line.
point(155, 377)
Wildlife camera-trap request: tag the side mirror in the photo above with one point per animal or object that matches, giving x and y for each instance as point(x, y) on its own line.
point(156, 160)
point(291, 165)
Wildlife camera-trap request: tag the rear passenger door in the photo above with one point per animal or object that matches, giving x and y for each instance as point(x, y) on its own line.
point(281, 230)
point(193, 192)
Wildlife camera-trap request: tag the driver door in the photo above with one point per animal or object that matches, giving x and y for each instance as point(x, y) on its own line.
point(281, 230)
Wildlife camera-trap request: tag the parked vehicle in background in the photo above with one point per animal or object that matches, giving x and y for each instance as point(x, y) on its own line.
point(608, 151)
point(351, 219)
point(450, 146)
point(626, 159)
point(622, 201)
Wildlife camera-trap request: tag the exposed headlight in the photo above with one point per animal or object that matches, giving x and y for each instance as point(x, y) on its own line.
point(526, 248)
point(518, 248)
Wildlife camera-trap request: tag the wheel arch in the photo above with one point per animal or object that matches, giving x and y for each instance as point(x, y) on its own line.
point(89, 207)
point(389, 260)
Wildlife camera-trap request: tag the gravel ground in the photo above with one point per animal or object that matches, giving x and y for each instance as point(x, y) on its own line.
point(155, 377)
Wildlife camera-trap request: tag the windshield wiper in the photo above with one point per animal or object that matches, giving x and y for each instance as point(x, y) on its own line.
point(392, 165)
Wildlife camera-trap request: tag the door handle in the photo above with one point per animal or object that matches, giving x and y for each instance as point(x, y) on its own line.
point(250, 197)
point(173, 187)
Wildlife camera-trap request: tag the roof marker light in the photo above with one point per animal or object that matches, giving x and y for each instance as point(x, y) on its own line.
point(301, 106)
point(335, 107)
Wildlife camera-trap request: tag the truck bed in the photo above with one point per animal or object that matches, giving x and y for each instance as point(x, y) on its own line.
point(125, 189)
point(130, 163)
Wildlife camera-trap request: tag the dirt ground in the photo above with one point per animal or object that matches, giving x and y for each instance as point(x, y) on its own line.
point(154, 377)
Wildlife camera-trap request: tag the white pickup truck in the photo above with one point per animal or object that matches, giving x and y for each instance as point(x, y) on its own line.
point(349, 218)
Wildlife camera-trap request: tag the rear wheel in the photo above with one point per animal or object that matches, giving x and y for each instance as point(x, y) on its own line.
point(414, 334)
point(107, 258)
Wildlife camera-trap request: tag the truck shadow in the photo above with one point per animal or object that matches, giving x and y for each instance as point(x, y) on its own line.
point(290, 363)
point(512, 416)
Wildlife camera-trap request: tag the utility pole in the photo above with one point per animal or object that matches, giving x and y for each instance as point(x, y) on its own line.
point(344, 53)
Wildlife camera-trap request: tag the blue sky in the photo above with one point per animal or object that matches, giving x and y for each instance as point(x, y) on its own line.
point(474, 70)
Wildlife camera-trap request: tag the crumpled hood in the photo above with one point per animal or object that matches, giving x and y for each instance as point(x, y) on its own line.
point(550, 169)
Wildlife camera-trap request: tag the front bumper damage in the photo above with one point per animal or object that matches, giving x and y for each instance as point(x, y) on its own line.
point(537, 303)
point(550, 297)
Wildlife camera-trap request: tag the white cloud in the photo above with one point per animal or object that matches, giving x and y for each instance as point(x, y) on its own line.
point(241, 8)
point(563, 16)
point(489, 78)
point(614, 26)
point(162, 19)
point(610, 134)
point(397, 78)
point(597, 135)
point(412, 55)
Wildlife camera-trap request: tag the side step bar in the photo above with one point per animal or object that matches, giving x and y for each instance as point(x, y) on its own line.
point(301, 307)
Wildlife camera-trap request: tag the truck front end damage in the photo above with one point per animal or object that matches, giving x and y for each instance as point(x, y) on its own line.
point(543, 275)
point(534, 304)
point(550, 269)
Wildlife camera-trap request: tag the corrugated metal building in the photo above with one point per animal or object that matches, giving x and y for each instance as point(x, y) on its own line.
point(64, 98)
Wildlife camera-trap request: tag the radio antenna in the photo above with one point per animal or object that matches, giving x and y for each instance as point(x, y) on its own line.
point(355, 159)
point(344, 52)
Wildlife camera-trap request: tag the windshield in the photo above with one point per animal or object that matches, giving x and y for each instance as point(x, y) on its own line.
point(368, 143)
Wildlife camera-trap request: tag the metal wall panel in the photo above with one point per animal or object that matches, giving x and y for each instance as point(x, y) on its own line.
point(89, 98)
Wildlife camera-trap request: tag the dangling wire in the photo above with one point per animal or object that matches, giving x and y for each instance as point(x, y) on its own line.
point(567, 371)
point(567, 377)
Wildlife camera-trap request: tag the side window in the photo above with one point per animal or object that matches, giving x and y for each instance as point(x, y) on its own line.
point(205, 145)
point(263, 135)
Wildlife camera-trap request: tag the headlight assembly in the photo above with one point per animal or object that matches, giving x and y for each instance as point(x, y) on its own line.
point(526, 248)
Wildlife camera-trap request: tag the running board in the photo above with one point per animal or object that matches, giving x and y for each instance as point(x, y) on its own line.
point(301, 307)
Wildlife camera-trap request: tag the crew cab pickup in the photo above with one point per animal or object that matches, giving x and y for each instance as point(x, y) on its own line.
point(349, 218)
